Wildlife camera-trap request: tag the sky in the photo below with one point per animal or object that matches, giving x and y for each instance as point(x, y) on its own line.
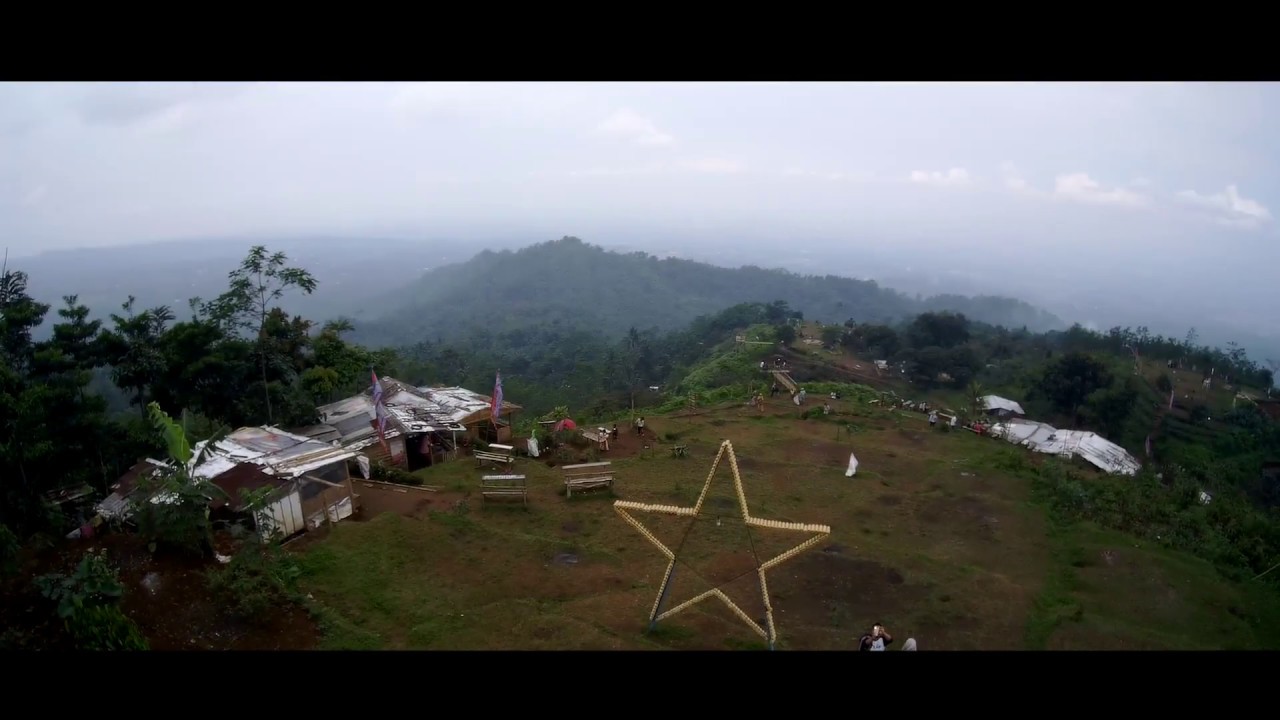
point(1143, 190)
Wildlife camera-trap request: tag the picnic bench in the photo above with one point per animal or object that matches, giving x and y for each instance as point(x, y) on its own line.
point(495, 455)
point(504, 487)
point(587, 476)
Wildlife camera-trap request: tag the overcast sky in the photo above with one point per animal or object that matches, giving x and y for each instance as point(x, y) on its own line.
point(1142, 181)
point(89, 164)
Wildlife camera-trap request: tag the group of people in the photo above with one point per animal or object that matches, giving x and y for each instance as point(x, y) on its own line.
point(933, 419)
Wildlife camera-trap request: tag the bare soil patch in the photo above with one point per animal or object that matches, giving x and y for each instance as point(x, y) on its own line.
point(412, 503)
point(825, 595)
point(825, 453)
point(167, 596)
point(967, 511)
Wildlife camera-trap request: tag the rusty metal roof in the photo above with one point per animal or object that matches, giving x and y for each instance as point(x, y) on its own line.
point(245, 476)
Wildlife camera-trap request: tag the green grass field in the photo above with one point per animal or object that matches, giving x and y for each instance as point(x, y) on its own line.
point(933, 538)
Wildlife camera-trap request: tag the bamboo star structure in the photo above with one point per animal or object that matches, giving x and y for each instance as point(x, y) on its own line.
point(770, 632)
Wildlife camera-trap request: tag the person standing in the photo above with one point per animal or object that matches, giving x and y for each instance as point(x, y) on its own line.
point(640, 425)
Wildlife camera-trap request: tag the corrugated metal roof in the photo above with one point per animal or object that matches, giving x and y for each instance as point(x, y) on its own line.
point(298, 465)
point(412, 410)
point(114, 505)
point(323, 433)
point(213, 466)
point(291, 454)
point(129, 480)
point(245, 476)
point(461, 402)
point(265, 439)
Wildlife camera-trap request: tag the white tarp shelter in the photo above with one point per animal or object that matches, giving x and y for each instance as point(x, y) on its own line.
point(1092, 447)
point(995, 403)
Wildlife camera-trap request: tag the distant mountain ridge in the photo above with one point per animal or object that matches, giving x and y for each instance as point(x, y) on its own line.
point(574, 283)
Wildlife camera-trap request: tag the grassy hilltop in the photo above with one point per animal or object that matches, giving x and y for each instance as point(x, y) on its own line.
point(957, 540)
point(960, 541)
point(939, 536)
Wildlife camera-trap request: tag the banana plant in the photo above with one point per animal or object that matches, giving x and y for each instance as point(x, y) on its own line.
point(178, 512)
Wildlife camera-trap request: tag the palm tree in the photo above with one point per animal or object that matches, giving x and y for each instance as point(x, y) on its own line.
point(973, 396)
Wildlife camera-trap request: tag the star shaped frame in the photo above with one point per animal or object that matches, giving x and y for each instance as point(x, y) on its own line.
point(624, 508)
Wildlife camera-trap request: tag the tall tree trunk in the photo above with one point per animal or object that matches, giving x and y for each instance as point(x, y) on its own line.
point(266, 389)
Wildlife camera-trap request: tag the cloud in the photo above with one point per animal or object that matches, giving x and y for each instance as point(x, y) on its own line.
point(124, 104)
point(952, 177)
point(629, 125)
point(435, 101)
point(1229, 208)
point(713, 165)
point(836, 176)
point(648, 169)
point(1082, 188)
point(1013, 179)
point(708, 165)
point(35, 196)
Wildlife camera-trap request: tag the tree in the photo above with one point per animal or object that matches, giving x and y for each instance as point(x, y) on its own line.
point(1164, 384)
point(974, 394)
point(633, 349)
point(24, 437)
point(831, 334)
point(944, 330)
point(1111, 407)
point(19, 315)
point(134, 349)
point(785, 334)
point(778, 312)
point(64, 366)
point(1069, 380)
point(261, 280)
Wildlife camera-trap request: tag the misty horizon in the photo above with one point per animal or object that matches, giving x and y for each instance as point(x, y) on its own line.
point(1095, 201)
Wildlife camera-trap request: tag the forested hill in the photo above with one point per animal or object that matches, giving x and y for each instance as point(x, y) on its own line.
point(574, 284)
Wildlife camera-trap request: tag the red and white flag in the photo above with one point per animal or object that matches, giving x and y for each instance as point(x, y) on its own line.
point(495, 407)
point(379, 409)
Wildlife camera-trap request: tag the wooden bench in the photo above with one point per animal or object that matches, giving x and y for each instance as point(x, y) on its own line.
point(493, 458)
point(504, 487)
point(587, 476)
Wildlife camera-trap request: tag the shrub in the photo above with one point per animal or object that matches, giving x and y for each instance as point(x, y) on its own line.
point(259, 577)
point(1231, 533)
point(393, 474)
point(86, 602)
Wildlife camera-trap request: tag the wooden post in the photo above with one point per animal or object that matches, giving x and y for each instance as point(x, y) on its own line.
point(324, 507)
